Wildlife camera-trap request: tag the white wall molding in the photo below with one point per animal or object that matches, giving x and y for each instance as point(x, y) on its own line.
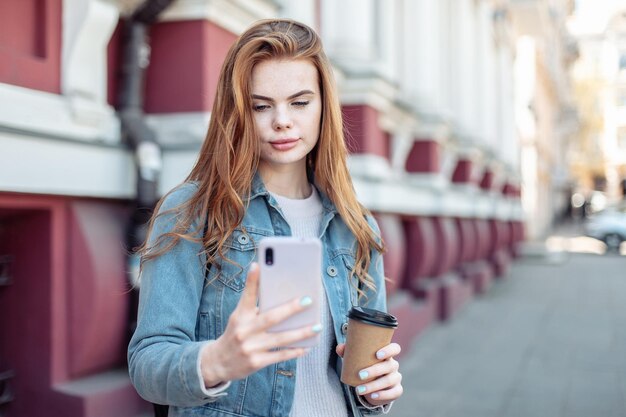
point(233, 15)
point(439, 132)
point(373, 91)
point(42, 165)
point(176, 129)
point(395, 197)
point(45, 166)
point(413, 199)
point(433, 181)
point(369, 167)
point(52, 114)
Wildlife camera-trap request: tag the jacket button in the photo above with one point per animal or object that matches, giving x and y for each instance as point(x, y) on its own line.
point(344, 328)
point(332, 271)
point(243, 239)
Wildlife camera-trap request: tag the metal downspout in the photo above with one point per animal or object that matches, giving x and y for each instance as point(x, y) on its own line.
point(136, 133)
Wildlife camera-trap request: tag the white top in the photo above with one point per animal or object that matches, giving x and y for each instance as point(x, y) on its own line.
point(317, 384)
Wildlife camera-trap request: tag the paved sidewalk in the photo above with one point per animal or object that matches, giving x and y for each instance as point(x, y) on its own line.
point(548, 341)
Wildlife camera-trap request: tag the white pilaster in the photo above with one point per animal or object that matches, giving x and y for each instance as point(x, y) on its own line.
point(349, 32)
point(465, 69)
point(487, 129)
point(302, 10)
point(87, 29)
point(387, 13)
point(448, 83)
point(419, 58)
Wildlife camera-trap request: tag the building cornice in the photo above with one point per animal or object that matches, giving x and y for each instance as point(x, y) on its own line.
point(233, 15)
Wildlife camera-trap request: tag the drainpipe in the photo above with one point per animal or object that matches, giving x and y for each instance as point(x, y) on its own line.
point(136, 133)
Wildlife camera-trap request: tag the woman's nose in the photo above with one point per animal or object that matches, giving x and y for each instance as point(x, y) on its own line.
point(282, 120)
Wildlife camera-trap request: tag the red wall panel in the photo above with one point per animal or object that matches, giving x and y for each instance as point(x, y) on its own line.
point(185, 63)
point(30, 44)
point(363, 132)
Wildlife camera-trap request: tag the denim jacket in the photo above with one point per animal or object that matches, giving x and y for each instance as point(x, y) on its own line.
point(179, 311)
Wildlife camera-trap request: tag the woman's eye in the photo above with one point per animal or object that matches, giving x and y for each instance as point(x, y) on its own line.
point(300, 103)
point(261, 107)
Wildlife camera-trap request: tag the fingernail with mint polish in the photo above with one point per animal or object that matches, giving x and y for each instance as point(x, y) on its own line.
point(374, 396)
point(306, 301)
point(363, 374)
point(380, 354)
point(361, 389)
point(317, 328)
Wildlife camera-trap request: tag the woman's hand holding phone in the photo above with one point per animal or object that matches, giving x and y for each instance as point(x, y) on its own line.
point(246, 346)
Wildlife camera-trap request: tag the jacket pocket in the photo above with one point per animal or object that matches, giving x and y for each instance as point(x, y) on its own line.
point(241, 251)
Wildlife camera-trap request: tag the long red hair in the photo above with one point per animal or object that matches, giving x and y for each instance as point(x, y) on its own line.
point(230, 153)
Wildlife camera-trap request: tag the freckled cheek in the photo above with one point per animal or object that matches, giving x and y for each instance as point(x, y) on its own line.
point(262, 126)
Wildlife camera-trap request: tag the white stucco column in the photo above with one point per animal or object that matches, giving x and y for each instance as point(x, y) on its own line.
point(349, 31)
point(510, 141)
point(87, 29)
point(302, 10)
point(447, 84)
point(487, 108)
point(506, 146)
point(361, 36)
point(420, 61)
point(465, 69)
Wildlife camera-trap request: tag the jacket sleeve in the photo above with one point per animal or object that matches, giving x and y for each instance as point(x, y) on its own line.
point(163, 354)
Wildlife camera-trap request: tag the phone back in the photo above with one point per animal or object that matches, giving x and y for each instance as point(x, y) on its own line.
point(291, 268)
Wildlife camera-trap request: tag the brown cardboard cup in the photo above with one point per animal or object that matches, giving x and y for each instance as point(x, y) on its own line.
point(368, 331)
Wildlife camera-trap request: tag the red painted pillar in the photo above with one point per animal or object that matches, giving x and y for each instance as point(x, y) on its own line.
point(63, 318)
point(424, 157)
point(454, 293)
point(395, 256)
point(421, 253)
point(363, 132)
point(185, 63)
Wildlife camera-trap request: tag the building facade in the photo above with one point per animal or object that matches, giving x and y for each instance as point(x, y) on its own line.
point(546, 109)
point(600, 79)
point(428, 95)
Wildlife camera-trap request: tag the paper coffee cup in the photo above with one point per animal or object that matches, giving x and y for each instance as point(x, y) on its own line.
point(368, 331)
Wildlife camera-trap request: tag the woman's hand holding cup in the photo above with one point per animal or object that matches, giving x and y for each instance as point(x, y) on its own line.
point(369, 362)
point(382, 382)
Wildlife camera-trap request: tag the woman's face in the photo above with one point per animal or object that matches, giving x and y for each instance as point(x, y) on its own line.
point(287, 107)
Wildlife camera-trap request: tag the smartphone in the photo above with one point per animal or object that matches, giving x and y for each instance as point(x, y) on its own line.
point(291, 267)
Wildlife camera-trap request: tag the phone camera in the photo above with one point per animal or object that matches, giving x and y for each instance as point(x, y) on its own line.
point(269, 256)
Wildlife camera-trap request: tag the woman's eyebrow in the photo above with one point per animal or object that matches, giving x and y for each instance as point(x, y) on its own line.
point(298, 94)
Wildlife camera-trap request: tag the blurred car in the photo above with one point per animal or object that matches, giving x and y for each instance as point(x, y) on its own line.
point(609, 226)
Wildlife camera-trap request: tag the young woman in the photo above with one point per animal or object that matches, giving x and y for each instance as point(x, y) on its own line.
point(273, 163)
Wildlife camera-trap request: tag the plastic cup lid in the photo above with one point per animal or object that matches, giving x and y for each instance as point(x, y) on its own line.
point(371, 316)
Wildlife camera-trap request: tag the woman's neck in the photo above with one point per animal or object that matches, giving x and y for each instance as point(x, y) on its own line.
point(286, 181)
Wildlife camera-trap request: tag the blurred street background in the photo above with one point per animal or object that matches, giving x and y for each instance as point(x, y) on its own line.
point(548, 341)
point(488, 137)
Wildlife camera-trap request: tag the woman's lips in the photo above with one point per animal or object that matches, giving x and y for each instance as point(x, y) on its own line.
point(283, 144)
